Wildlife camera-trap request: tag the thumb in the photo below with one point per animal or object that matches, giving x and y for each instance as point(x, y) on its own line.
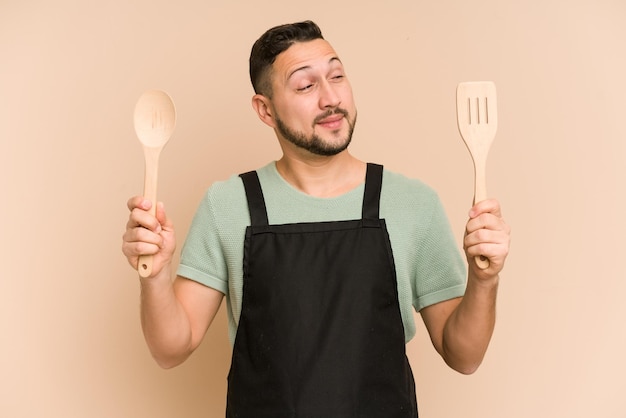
point(162, 216)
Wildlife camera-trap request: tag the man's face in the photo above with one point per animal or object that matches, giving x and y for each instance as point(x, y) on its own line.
point(312, 99)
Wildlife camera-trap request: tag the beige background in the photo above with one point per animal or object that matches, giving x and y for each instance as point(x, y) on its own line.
point(71, 72)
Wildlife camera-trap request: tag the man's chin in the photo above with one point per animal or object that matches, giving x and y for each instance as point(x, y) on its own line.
point(328, 149)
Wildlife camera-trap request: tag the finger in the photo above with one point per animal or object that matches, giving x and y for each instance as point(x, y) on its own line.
point(140, 241)
point(134, 251)
point(144, 219)
point(143, 235)
point(485, 206)
point(486, 221)
point(492, 250)
point(482, 241)
point(493, 253)
point(486, 236)
point(138, 202)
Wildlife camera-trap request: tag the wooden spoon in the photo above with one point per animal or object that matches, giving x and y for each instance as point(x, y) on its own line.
point(155, 119)
point(477, 118)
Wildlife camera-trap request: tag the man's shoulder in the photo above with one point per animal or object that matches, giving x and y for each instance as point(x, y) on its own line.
point(399, 187)
point(233, 185)
point(229, 194)
point(222, 189)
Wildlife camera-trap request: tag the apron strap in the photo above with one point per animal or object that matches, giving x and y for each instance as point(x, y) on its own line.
point(256, 202)
point(371, 195)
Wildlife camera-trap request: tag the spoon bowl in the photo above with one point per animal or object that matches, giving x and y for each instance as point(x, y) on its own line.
point(155, 118)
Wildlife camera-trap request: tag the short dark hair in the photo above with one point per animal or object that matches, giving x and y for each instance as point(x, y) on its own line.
point(273, 42)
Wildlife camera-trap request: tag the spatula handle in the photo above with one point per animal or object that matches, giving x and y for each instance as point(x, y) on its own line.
point(482, 262)
point(144, 266)
point(480, 194)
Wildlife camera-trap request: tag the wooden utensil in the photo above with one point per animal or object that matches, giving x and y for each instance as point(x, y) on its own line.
point(155, 119)
point(477, 118)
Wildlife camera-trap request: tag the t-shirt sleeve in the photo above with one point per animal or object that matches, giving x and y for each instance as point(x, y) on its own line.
point(441, 272)
point(202, 258)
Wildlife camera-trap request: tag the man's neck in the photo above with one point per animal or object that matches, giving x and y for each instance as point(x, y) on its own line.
point(322, 176)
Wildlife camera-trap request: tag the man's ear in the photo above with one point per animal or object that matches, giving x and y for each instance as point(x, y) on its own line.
point(263, 109)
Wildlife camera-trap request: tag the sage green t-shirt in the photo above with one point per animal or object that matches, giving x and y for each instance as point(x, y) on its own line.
point(429, 266)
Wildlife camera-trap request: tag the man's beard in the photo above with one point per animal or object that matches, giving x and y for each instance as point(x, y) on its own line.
point(314, 144)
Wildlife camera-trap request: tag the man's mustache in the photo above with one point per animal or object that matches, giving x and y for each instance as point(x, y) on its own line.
point(329, 113)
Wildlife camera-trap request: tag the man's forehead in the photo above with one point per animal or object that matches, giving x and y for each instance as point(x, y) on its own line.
point(304, 55)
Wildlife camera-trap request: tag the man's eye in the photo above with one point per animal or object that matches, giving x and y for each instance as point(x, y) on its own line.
point(305, 88)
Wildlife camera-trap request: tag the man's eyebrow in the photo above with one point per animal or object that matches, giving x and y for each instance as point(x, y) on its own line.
point(307, 67)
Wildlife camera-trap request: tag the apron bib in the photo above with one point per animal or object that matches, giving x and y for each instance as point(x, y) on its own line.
point(320, 333)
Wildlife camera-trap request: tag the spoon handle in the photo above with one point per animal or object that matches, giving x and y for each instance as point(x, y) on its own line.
point(151, 155)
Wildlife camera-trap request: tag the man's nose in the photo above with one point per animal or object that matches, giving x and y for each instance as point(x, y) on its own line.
point(329, 96)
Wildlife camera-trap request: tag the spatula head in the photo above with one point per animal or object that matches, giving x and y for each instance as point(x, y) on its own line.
point(477, 114)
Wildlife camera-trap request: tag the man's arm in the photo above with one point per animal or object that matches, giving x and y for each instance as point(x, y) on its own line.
point(461, 328)
point(174, 315)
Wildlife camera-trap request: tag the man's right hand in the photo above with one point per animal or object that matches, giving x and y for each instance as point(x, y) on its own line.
point(148, 235)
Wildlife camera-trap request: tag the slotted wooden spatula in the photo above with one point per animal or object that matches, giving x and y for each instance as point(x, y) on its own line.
point(477, 118)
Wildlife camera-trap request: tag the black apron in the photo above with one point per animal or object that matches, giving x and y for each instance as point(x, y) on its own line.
point(320, 333)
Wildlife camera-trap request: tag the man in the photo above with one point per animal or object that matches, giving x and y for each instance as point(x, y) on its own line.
point(322, 258)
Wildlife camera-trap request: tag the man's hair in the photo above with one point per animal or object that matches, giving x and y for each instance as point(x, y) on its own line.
point(273, 42)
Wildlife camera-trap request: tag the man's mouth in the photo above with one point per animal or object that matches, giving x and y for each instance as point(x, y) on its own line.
point(332, 120)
